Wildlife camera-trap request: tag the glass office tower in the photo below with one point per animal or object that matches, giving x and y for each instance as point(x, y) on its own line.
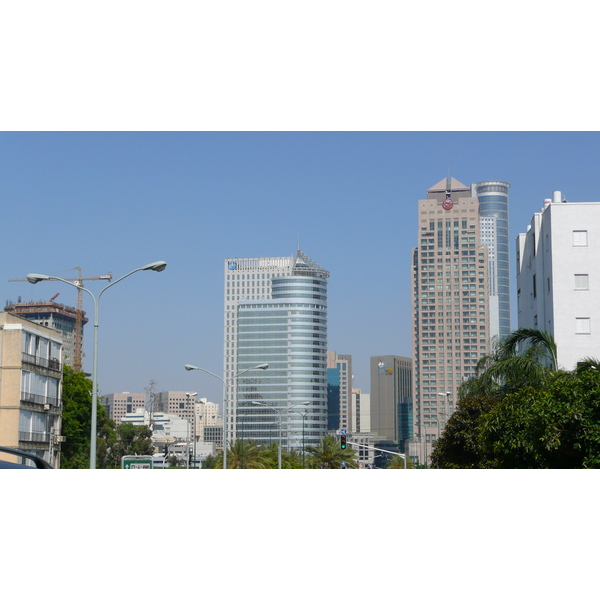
point(276, 313)
point(493, 215)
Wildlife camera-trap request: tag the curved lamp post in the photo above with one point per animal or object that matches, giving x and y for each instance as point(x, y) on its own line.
point(280, 411)
point(35, 278)
point(303, 415)
point(262, 366)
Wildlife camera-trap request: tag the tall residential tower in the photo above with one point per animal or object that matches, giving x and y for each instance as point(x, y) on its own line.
point(451, 311)
point(276, 313)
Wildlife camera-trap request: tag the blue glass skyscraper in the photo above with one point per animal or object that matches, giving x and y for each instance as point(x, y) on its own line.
point(276, 313)
point(493, 215)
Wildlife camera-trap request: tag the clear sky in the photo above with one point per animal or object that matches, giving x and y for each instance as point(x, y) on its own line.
point(112, 202)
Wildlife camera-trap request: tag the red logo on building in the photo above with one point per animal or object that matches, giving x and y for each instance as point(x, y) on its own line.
point(447, 204)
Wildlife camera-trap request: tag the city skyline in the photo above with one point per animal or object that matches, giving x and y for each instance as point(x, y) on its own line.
point(111, 202)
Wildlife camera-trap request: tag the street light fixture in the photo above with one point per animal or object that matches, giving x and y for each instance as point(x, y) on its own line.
point(190, 396)
point(303, 415)
point(280, 412)
point(261, 366)
point(36, 278)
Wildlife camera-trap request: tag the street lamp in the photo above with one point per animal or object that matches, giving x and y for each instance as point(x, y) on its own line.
point(303, 415)
point(280, 412)
point(35, 278)
point(190, 396)
point(262, 366)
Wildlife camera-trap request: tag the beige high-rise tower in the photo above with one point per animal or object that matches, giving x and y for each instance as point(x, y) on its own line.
point(451, 321)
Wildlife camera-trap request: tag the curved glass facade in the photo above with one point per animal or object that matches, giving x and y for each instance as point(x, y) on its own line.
point(493, 212)
point(290, 333)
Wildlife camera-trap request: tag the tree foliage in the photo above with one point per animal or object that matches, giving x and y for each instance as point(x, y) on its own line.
point(329, 455)
point(77, 422)
point(521, 411)
point(397, 462)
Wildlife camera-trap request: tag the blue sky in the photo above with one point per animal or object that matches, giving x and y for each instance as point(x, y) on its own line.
point(112, 202)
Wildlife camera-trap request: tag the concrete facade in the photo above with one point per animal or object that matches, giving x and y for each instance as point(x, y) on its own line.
point(56, 316)
point(391, 386)
point(30, 388)
point(342, 366)
point(558, 277)
point(120, 404)
point(451, 315)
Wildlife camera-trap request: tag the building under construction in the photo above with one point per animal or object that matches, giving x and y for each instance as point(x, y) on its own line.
point(60, 317)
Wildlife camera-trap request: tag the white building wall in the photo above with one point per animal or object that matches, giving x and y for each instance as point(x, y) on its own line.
point(558, 277)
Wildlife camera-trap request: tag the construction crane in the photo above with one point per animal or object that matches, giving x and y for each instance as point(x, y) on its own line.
point(78, 337)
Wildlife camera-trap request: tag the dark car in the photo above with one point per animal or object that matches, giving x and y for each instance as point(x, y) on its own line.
point(39, 463)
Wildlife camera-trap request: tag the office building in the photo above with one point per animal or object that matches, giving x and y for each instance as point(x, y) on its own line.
point(182, 404)
point(276, 313)
point(558, 277)
point(340, 411)
point(391, 397)
point(56, 316)
point(207, 420)
point(451, 317)
point(361, 417)
point(30, 388)
point(493, 218)
point(164, 427)
point(119, 404)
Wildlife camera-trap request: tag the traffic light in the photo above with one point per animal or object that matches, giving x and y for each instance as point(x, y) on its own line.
point(343, 442)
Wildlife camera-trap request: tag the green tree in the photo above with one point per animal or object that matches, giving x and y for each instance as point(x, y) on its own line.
point(526, 357)
point(244, 452)
point(329, 455)
point(131, 440)
point(77, 422)
point(210, 462)
point(556, 426)
point(459, 446)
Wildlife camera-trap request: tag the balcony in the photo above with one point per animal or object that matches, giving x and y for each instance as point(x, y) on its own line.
point(38, 399)
point(34, 436)
point(52, 364)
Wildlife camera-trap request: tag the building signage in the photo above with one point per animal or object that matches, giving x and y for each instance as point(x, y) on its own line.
point(136, 462)
point(447, 204)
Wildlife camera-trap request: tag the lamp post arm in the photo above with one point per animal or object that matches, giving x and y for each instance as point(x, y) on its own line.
point(117, 281)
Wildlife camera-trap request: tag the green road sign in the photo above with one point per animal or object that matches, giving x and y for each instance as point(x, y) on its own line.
point(136, 462)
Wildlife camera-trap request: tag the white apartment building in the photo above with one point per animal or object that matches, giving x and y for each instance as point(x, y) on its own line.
point(164, 426)
point(207, 417)
point(558, 277)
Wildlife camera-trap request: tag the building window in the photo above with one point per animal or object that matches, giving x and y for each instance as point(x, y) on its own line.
point(580, 237)
point(582, 325)
point(582, 282)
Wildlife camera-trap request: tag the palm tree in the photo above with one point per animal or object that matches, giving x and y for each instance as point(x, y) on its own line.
point(329, 455)
point(524, 357)
point(588, 363)
point(246, 452)
point(397, 462)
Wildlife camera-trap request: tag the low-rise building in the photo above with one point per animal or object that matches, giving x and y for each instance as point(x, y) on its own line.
point(30, 388)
